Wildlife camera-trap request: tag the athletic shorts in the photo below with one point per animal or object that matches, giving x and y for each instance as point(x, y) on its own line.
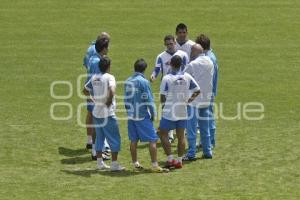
point(142, 130)
point(166, 124)
point(89, 105)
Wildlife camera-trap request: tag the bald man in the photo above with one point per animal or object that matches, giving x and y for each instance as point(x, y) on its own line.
point(201, 69)
point(196, 51)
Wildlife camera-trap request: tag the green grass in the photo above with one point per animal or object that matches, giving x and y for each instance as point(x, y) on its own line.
point(257, 45)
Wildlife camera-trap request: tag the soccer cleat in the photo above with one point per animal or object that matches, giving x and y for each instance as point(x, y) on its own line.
point(173, 164)
point(116, 167)
point(171, 140)
point(88, 146)
point(93, 157)
point(158, 169)
point(188, 158)
point(206, 156)
point(138, 168)
point(178, 165)
point(103, 166)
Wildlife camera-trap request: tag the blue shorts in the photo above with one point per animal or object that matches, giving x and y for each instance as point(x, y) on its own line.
point(166, 124)
point(142, 130)
point(107, 128)
point(89, 105)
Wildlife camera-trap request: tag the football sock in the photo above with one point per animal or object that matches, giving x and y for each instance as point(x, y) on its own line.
point(136, 164)
point(114, 163)
point(154, 164)
point(94, 150)
point(170, 158)
point(179, 159)
point(100, 161)
point(89, 139)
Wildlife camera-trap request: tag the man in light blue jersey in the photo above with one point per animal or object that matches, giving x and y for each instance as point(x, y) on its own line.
point(176, 91)
point(89, 119)
point(140, 109)
point(204, 41)
point(101, 47)
point(102, 88)
point(92, 50)
point(201, 69)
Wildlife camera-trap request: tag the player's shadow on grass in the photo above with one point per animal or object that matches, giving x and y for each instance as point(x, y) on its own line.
point(89, 172)
point(75, 160)
point(72, 152)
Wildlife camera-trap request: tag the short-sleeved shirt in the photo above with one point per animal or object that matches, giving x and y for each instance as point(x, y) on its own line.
point(213, 57)
point(139, 101)
point(202, 69)
point(186, 47)
point(93, 66)
point(162, 63)
point(89, 53)
point(99, 85)
point(177, 87)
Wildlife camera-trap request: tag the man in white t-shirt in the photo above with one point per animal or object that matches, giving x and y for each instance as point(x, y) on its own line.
point(92, 52)
point(201, 69)
point(182, 41)
point(102, 87)
point(175, 90)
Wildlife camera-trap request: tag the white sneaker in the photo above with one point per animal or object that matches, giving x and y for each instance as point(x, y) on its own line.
point(117, 167)
point(102, 166)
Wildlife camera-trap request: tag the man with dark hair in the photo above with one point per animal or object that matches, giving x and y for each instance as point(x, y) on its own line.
point(91, 49)
point(101, 47)
point(182, 41)
point(175, 92)
point(163, 63)
point(89, 118)
point(102, 88)
point(140, 65)
point(140, 108)
point(163, 59)
point(104, 64)
point(204, 41)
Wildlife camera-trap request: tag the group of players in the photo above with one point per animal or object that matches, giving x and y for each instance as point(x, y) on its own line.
point(189, 73)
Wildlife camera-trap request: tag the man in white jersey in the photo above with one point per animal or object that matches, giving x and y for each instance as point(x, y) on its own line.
point(182, 41)
point(102, 87)
point(162, 63)
point(163, 59)
point(201, 69)
point(175, 90)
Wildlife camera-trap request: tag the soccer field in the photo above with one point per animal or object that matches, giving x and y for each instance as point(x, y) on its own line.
point(257, 44)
